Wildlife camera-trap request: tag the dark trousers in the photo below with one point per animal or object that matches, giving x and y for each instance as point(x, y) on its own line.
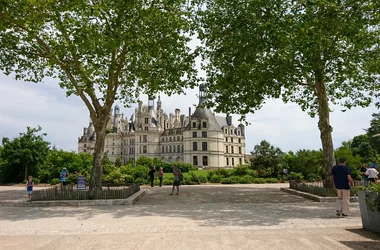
point(151, 181)
point(160, 178)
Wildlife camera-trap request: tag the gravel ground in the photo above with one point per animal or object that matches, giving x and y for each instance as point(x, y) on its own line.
point(201, 217)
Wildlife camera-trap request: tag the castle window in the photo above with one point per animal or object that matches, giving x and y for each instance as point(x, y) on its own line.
point(178, 138)
point(178, 148)
point(205, 160)
point(226, 139)
point(84, 150)
point(233, 161)
point(194, 134)
point(145, 138)
point(146, 120)
point(232, 132)
point(194, 124)
point(170, 148)
point(112, 153)
point(162, 149)
point(113, 144)
point(238, 132)
point(173, 148)
point(85, 145)
point(195, 160)
point(163, 139)
point(227, 163)
point(225, 131)
point(226, 149)
point(232, 149)
point(144, 149)
point(146, 128)
point(240, 161)
point(121, 152)
point(204, 134)
point(170, 138)
point(182, 149)
point(167, 149)
point(240, 151)
point(204, 146)
point(239, 140)
point(232, 139)
point(195, 146)
point(204, 124)
point(174, 137)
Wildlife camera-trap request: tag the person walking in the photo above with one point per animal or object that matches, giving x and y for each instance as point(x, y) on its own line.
point(177, 179)
point(63, 176)
point(372, 174)
point(342, 182)
point(29, 187)
point(151, 175)
point(160, 175)
point(363, 171)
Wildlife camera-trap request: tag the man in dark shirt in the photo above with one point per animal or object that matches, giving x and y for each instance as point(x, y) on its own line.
point(363, 169)
point(342, 181)
point(151, 175)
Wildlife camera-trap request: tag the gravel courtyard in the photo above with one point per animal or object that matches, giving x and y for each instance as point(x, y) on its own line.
point(201, 217)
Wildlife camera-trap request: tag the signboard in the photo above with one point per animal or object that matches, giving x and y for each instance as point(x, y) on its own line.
point(81, 184)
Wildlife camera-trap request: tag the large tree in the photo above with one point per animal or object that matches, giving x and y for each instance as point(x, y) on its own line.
point(373, 132)
point(23, 156)
point(311, 52)
point(99, 50)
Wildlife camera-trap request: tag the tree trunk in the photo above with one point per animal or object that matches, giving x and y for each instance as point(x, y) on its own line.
point(26, 172)
point(97, 166)
point(325, 130)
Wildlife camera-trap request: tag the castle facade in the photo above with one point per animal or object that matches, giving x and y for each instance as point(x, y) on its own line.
point(200, 138)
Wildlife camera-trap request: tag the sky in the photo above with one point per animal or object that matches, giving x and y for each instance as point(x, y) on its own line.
point(45, 104)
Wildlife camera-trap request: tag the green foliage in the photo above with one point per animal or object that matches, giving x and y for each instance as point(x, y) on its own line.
point(76, 164)
point(295, 176)
point(23, 156)
point(307, 162)
point(258, 181)
point(215, 178)
point(374, 130)
point(241, 170)
point(271, 180)
point(100, 51)
point(312, 53)
point(267, 159)
point(118, 162)
point(361, 146)
point(55, 181)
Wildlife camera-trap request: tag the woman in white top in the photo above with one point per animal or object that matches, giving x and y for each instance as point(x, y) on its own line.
point(372, 174)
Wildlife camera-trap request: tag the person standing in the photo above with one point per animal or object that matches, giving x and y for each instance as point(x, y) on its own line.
point(372, 174)
point(151, 175)
point(363, 171)
point(160, 175)
point(342, 182)
point(177, 179)
point(29, 187)
point(63, 176)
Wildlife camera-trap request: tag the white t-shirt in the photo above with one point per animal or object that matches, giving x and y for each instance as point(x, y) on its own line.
point(372, 173)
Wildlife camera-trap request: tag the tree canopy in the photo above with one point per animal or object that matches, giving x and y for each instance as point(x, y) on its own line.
point(23, 155)
point(100, 51)
point(313, 53)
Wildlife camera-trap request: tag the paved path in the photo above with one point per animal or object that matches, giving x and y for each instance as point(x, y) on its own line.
point(201, 217)
point(15, 193)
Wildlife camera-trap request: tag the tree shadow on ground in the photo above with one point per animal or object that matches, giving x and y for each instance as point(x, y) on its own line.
point(372, 242)
point(206, 206)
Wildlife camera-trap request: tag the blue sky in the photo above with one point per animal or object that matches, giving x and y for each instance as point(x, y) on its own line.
point(25, 104)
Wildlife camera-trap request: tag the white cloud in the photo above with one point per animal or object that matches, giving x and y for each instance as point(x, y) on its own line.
point(284, 125)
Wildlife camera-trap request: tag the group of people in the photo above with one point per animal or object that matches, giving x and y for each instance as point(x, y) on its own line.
point(369, 173)
point(343, 182)
point(30, 184)
point(178, 177)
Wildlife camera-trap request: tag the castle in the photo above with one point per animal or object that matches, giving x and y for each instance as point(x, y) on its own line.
point(201, 138)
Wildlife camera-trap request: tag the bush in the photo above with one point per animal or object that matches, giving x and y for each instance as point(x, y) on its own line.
point(223, 172)
point(202, 179)
point(215, 179)
point(313, 177)
point(128, 179)
point(295, 176)
point(241, 170)
point(55, 181)
point(246, 179)
point(271, 180)
point(265, 172)
point(36, 181)
point(230, 180)
point(258, 181)
point(167, 182)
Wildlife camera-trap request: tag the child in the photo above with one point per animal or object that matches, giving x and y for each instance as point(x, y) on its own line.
point(29, 187)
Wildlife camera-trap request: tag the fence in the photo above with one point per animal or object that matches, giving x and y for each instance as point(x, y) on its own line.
point(69, 192)
point(317, 188)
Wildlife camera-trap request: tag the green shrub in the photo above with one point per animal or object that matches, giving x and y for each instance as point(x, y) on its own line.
point(128, 179)
point(127, 169)
point(266, 173)
point(36, 181)
point(55, 181)
point(202, 179)
point(167, 182)
point(258, 181)
point(295, 176)
point(226, 181)
point(223, 172)
point(230, 180)
point(271, 180)
point(246, 179)
point(240, 170)
point(253, 173)
point(216, 179)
